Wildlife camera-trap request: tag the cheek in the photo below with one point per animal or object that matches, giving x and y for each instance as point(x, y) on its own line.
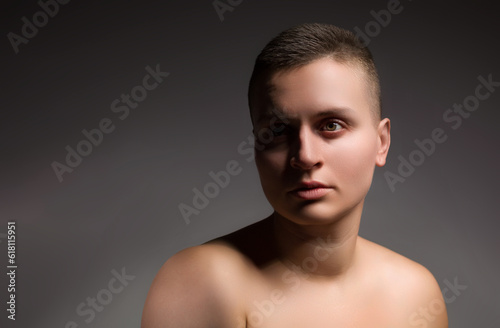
point(270, 164)
point(353, 160)
point(271, 167)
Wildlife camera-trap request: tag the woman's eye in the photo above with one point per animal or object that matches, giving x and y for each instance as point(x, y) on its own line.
point(278, 129)
point(332, 126)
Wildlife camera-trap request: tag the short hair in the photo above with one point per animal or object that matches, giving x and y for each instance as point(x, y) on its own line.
point(302, 44)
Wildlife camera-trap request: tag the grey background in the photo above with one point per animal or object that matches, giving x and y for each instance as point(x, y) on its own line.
point(119, 208)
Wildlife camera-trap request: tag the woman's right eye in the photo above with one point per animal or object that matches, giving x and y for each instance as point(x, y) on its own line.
point(278, 129)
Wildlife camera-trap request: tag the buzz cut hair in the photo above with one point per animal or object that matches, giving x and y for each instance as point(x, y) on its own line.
point(302, 44)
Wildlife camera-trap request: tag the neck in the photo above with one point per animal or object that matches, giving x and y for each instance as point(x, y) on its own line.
point(326, 250)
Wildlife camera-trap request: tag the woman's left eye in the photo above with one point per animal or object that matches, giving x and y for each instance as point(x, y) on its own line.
point(332, 126)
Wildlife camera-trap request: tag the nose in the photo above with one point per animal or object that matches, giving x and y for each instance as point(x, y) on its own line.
point(305, 154)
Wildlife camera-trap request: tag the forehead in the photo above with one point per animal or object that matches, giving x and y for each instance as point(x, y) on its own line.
point(322, 85)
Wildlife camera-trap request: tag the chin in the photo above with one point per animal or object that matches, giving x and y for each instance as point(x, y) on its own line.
point(325, 211)
point(312, 213)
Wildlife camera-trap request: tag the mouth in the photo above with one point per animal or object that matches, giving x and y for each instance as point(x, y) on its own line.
point(310, 190)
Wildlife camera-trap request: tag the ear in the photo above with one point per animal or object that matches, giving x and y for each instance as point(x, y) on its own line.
point(383, 141)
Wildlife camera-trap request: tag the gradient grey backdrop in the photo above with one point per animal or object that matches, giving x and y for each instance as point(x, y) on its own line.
point(119, 208)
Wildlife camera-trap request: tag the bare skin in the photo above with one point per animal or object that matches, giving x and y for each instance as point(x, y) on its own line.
point(304, 265)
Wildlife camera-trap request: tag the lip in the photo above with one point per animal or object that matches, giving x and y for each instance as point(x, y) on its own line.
point(310, 190)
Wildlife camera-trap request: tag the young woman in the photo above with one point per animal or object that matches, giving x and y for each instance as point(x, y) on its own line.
point(314, 100)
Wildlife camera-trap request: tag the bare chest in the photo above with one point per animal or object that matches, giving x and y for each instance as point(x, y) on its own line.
point(295, 303)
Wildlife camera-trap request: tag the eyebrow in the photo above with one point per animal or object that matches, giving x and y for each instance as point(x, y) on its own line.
point(339, 111)
point(336, 111)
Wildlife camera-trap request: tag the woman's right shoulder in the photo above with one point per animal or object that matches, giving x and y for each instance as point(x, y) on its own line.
point(212, 257)
point(198, 284)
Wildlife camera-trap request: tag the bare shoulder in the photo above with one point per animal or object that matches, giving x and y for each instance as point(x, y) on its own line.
point(197, 287)
point(407, 286)
point(394, 265)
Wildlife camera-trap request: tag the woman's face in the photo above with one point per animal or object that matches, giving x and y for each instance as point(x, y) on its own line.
point(317, 164)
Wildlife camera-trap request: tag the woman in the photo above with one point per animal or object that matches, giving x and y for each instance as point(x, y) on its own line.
point(314, 100)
